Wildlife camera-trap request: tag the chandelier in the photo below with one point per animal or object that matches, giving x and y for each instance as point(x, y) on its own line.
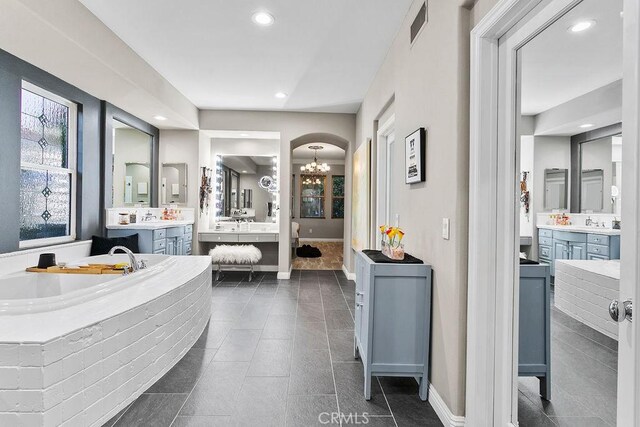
point(315, 169)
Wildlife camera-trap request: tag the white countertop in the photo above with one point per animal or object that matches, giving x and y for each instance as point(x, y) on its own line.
point(582, 229)
point(238, 232)
point(604, 268)
point(150, 225)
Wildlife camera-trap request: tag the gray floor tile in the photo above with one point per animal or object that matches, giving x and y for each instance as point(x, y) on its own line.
point(284, 306)
point(156, 410)
point(310, 410)
point(183, 376)
point(311, 335)
point(340, 320)
point(279, 326)
point(334, 302)
point(116, 417)
point(262, 400)
point(341, 346)
point(311, 382)
point(217, 390)
point(350, 388)
point(579, 422)
point(562, 403)
point(238, 346)
point(376, 421)
point(310, 312)
point(411, 411)
point(213, 335)
point(226, 311)
point(305, 359)
point(272, 358)
point(203, 421)
point(529, 415)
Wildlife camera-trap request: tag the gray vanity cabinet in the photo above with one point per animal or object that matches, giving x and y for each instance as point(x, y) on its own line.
point(534, 343)
point(164, 241)
point(558, 244)
point(392, 320)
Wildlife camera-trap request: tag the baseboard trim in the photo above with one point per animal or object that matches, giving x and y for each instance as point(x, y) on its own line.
point(283, 275)
point(443, 411)
point(310, 239)
point(350, 276)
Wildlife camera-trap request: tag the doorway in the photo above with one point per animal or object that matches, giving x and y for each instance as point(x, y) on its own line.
point(384, 164)
point(494, 327)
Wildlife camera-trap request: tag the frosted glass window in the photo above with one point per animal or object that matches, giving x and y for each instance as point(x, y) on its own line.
point(48, 158)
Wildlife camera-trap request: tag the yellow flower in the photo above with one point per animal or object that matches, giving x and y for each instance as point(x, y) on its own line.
point(382, 228)
point(400, 234)
point(391, 232)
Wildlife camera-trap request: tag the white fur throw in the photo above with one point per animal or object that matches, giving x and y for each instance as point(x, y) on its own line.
point(235, 254)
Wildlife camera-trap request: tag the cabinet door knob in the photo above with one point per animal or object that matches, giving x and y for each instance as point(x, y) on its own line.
point(358, 293)
point(358, 305)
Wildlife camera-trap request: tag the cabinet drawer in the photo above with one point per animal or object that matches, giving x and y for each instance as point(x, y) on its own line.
point(569, 236)
point(188, 237)
point(592, 257)
point(187, 248)
point(159, 244)
point(218, 237)
point(188, 229)
point(175, 232)
point(598, 249)
point(543, 232)
point(159, 234)
point(256, 238)
point(598, 239)
point(545, 241)
point(545, 252)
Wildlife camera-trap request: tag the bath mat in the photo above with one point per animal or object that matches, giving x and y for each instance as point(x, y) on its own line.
point(308, 251)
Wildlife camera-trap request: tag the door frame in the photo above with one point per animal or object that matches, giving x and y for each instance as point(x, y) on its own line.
point(382, 175)
point(492, 312)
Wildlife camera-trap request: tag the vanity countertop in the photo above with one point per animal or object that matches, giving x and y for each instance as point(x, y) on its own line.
point(238, 232)
point(582, 229)
point(150, 225)
point(604, 268)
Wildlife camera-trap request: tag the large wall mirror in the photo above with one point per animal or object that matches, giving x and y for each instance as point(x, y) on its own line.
point(174, 183)
point(130, 149)
point(131, 166)
point(601, 175)
point(248, 188)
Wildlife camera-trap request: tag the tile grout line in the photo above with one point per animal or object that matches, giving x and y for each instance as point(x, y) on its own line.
point(293, 343)
point(333, 372)
point(202, 374)
point(387, 401)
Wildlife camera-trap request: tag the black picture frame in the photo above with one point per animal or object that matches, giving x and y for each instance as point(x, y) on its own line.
point(415, 146)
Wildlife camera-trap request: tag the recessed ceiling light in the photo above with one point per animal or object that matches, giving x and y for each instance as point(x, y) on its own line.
point(244, 135)
point(581, 26)
point(586, 126)
point(161, 118)
point(263, 18)
point(281, 95)
point(244, 171)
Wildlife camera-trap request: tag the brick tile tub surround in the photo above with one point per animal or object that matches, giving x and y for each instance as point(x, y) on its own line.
point(124, 343)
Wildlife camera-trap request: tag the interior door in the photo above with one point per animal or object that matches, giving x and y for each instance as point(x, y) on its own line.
point(629, 333)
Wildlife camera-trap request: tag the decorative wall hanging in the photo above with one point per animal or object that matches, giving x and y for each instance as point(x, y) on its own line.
point(524, 194)
point(205, 189)
point(414, 149)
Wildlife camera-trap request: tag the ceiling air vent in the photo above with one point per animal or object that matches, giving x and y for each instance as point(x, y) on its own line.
point(419, 21)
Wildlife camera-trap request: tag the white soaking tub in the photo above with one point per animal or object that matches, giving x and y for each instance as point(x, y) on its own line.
point(76, 349)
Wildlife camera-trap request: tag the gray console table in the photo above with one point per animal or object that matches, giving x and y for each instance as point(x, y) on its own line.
point(534, 349)
point(393, 318)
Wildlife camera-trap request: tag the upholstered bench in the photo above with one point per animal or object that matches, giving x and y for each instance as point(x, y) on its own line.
point(235, 255)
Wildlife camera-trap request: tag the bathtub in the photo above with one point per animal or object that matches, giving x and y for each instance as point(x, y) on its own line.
point(76, 349)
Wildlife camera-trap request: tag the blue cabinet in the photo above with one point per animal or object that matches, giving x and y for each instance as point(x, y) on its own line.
point(166, 241)
point(534, 343)
point(558, 244)
point(392, 320)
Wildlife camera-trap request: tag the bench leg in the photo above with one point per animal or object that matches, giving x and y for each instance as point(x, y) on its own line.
point(251, 272)
point(219, 272)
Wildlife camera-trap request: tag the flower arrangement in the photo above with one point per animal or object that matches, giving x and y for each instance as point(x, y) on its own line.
point(391, 238)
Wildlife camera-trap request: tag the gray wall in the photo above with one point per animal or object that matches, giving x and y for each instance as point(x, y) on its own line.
point(327, 228)
point(12, 71)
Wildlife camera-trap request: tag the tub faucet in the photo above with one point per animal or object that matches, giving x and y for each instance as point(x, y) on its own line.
point(135, 265)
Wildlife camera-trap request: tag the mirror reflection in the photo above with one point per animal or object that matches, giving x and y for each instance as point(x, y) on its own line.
point(556, 185)
point(174, 185)
point(248, 188)
point(131, 166)
point(601, 175)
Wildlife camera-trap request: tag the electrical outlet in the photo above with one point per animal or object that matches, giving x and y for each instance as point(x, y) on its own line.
point(445, 228)
point(311, 231)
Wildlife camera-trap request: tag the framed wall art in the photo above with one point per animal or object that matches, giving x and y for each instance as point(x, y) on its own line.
point(414, 149)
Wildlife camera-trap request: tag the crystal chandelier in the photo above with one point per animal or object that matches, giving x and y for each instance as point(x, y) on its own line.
point(315, 169)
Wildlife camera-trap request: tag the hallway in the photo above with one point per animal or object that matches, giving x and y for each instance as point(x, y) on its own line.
point(275, 353)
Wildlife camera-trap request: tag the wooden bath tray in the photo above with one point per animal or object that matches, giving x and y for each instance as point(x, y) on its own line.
point(90, 269)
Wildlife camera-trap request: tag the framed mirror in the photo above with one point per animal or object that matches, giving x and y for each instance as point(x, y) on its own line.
point(601, 175)
point(556, 189)
point(174, 184)
point(130, 153)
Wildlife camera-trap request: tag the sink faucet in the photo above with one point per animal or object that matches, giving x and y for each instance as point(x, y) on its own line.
point(135, 265)
point(588, 222)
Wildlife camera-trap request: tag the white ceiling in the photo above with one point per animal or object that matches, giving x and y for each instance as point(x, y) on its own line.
point(558, 66)
point(327, 154)
point(324, 54)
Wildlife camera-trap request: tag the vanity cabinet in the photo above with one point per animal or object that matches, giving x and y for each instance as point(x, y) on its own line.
point(165, 241)
point(392, 320)
point(558, 244)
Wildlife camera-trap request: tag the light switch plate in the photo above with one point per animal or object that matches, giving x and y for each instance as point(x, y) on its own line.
point(445, 228)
